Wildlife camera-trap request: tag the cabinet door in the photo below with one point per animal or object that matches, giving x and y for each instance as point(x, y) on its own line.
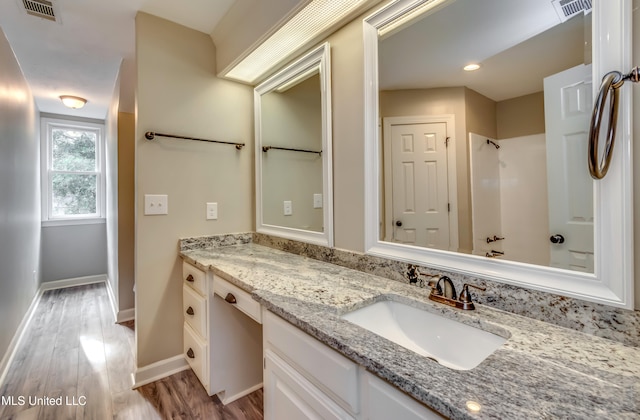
point(382, 401)
point(288, 395)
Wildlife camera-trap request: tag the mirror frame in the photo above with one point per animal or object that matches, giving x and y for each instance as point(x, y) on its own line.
point(612, 280)
point(320, 59)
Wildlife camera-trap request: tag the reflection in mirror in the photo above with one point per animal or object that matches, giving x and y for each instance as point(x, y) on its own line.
point(489, 162)
point(483, 118)
point(292, 155)
point(293, 151)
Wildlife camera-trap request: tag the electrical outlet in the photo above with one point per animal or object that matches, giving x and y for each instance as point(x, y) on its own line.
point(317, 201)
point(156, 204)
point(212, 211)
point(288, 208)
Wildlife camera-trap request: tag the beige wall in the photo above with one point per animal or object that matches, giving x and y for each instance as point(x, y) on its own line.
point(246, 24)
point(522, 116)
point(20, 196)
point(441, 101)
point(347, 95)
point(126, 209)
point(111, 175)
point(178, 93)
point(292, 118)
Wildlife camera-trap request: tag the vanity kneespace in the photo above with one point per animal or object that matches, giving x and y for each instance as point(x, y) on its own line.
point(222, 340)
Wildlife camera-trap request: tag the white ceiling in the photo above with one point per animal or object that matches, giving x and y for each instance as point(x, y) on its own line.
point(517, 43)
point(81, 53)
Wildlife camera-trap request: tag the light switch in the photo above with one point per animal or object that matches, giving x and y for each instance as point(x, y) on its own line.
point(156, 204)
point(288, 208)
point(212, 211)
point(317, 201)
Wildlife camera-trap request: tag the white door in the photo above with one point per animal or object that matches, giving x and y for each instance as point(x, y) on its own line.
point(567, 103)
point(420, 197)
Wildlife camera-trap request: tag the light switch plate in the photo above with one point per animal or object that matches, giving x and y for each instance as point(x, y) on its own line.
point(212, 211)
point(156, 204)
point(317, 201)
point(288, 208)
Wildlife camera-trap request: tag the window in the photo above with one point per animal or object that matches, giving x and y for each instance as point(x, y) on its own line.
point(73, 180)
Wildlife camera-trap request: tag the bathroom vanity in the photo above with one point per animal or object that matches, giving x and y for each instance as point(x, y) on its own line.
point(317, 362)
point(222, 336)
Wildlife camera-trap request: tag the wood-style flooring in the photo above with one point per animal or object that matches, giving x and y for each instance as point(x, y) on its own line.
point(74, 362)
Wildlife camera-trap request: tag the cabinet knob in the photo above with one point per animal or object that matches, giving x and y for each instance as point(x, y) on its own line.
point(190, 354)
point(190, 311)
point(399, 223)
point(230, 298)
point(190, 278)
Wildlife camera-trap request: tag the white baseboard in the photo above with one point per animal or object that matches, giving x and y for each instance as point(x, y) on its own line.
point(17, 337)
point(77, 281)
point(126, 315)
point(118, 315)
point(158, 370)
point(226, 400)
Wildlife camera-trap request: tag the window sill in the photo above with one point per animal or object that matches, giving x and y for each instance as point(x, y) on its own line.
point(71, 222)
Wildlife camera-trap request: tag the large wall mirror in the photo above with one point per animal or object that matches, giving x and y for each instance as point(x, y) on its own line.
point(485, 171)
point(293, 151)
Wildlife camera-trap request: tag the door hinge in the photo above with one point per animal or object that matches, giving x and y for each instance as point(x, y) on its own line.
point(446, 142)
point(449, 207)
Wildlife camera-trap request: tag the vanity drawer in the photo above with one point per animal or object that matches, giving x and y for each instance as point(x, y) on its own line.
point(194, 277)
point(322, 365)
point(194, 308)
point(195, 351)
point(244, 301)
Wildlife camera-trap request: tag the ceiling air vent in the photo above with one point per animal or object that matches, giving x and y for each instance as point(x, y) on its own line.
point(567, 9)
point(40, 8)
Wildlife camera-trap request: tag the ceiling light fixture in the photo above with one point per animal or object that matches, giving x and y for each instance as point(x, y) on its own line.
point(471, 67)
point(316, 19)
point(73, 102)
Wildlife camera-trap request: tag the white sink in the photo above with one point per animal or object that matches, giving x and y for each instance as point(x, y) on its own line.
point(450, 343)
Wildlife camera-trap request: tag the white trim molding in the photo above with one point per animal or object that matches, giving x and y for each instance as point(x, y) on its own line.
point(317, 60)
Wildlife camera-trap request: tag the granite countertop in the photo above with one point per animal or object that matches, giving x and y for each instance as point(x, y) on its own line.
point(542, 371)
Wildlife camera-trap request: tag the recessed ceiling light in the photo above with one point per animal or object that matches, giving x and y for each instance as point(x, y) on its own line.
point(73, 102)
point(471, 67)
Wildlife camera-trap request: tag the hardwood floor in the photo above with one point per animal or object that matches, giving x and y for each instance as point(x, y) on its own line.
point(75, 363)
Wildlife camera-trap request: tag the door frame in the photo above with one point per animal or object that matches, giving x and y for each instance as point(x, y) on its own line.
point(452, 186)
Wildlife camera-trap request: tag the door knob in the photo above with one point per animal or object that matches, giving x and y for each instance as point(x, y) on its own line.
point(190, 311)
point(557, 239)
point(398, 223)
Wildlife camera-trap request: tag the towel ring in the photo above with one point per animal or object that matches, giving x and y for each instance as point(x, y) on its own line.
point(611, 83)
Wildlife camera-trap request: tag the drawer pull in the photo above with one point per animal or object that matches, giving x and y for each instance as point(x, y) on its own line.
point(190, 278)
point(190, 311)
point(190, 354)
point(230, 298)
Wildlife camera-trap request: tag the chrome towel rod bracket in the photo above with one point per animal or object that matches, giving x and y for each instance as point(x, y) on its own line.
point(611, 82)
point(150, 135)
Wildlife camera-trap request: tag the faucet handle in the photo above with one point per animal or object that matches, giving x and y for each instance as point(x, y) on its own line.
point(465, 296)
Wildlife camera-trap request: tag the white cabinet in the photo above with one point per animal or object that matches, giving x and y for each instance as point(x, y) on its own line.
point(381, 401)
point(222, 344)
point(305, 379)
point(291, 396)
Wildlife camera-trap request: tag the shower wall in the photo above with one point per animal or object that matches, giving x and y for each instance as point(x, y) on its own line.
point(509, 197)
